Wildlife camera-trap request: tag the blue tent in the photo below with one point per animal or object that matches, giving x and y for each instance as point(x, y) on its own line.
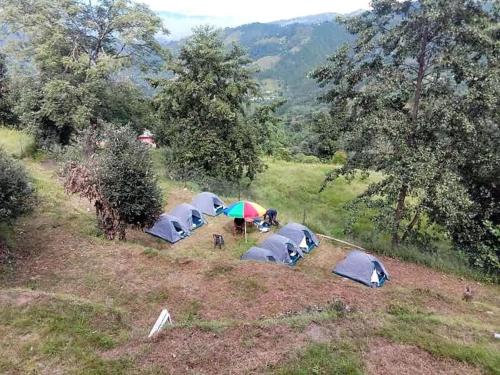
point(284, 249)
point(190, 216)
point(301, 235)
point(208, 203)
point(169, 228)
point(362, 267)
point(260, 254)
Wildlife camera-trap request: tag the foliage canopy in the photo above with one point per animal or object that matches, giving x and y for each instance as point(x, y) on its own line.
point(77, 49)
point(417, 98)
point(202, 111)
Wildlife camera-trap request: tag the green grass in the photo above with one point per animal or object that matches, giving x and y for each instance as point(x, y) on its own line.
point(53, 203)
point(18, 144)
point(293, 189)
point(463, 340)
point(61, 332)
point(324, 359)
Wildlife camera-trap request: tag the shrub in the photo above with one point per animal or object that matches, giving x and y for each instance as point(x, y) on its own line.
point(16, 191)
point(307, 159)
point(119, 179)
point(340, 157)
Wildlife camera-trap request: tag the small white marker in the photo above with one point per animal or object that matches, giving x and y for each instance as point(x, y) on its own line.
point(160, 322)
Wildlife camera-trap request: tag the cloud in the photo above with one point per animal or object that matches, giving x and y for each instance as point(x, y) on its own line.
point(255, 10)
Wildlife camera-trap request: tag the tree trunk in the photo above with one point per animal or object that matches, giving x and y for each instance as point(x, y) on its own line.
point(400, 205)
point(398, 215)
point(411, 225)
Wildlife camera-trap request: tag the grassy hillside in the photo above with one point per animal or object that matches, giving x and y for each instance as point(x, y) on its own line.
point(293, 188)
point(75, 303)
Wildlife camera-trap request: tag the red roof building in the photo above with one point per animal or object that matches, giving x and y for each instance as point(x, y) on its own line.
point(147, 137)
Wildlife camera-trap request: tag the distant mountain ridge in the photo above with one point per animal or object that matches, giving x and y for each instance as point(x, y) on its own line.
point(316, 18)
point(286, 51)
point(308, 20)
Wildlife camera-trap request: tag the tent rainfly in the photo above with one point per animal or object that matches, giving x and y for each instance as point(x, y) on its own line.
point(190, 216)
point(208, 203)
point(301, 235)
point(260, 254)
point(284, 249)
point(362, 267)
point(169, 228)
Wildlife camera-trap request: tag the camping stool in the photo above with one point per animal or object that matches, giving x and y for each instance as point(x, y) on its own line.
point(218, 240)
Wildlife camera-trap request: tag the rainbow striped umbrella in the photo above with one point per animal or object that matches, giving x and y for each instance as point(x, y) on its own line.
point(245, 210)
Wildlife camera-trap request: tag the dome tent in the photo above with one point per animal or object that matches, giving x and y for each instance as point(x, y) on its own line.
point(260, 254)
point(362, 267)
point(169, 228)
point(301, 235)
point(208, 203)
point(284, 249)
point(190, 216)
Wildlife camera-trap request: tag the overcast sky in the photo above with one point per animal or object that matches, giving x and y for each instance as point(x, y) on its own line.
point(182, 15)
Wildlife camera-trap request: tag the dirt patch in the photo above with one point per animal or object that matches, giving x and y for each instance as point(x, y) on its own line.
point(317, 333)
point(19, 297)
point(238, 350)
point(384, 357)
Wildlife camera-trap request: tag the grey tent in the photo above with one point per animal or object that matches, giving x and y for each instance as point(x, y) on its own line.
point(259, 254)
point(168, 228)
point(362, 267)
point(301, 235)
point(190, 216)
point(284, 249)
point(208, 203)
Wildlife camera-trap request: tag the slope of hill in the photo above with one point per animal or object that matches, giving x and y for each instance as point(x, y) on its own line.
point(76, 303)
point(285, 54)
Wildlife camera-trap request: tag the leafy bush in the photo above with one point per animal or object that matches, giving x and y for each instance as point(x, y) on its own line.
point(307, 159)
point(282, 154)
point(119, 179)
point(16, 191)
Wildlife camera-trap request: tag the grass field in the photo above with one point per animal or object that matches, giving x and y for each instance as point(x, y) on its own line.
point(74, 303)
point(16, 143)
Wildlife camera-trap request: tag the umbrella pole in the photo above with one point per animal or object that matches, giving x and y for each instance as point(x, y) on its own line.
point(245, 231)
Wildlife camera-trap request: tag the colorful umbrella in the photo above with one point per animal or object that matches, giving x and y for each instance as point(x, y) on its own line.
point(245, 210)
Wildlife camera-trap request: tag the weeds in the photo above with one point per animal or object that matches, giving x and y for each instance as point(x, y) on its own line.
point(441, 337)
point(324, 359)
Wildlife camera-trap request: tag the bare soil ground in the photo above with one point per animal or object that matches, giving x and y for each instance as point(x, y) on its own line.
point(199, 283)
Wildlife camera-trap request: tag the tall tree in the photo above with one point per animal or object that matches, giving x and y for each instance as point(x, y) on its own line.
point(6, 114)
point(202, 110)
point(78, 47)
point(269, 127)
point(412, 98)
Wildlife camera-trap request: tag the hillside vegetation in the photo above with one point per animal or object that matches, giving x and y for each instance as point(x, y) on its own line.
point(388, 144)
point(76, 303)
point(285, 52)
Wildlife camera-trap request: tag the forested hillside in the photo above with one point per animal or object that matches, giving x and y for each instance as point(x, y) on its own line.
point(284, 52)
